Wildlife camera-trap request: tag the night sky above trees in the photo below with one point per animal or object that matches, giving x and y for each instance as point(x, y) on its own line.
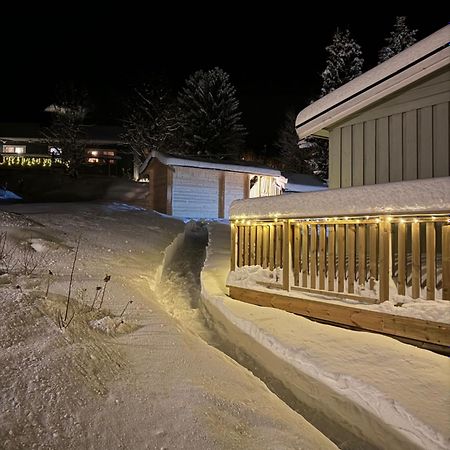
point(274, 58)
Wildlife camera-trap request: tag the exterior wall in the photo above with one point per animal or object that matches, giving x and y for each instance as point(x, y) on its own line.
point(405, 137)
point(159, 185)
point(195, 192)
point(234, 189)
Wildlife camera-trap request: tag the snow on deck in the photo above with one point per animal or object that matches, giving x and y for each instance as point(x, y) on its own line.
point(418, 196)
point(392, 395)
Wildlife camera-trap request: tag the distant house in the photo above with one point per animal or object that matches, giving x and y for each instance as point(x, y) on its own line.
point(22, 145)
point(194, 187)
point(300, 182)
point(391, 123)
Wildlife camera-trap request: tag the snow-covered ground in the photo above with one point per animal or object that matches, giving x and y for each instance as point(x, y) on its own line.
point(143, 380)
point(363, 390)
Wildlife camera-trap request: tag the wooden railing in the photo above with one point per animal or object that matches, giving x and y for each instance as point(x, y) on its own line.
point(365, 258)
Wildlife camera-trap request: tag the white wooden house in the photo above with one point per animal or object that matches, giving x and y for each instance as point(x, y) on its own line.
point(200, 188)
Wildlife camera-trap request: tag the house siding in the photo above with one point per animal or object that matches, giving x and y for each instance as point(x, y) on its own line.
point(405, 137)
point(234, 188)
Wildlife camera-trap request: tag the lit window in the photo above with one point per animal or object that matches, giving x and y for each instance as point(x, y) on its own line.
point(94, 152)
point(93, 160)
point(18, 149)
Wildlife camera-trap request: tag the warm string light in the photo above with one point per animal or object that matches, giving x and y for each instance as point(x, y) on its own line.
point(24, 161)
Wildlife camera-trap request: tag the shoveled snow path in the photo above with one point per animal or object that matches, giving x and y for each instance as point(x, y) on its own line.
point(172, 389)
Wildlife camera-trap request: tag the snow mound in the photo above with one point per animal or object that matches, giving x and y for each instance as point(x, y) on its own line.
point(419, 196)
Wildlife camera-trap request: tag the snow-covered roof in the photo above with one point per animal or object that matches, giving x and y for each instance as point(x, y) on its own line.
point(170, 160)
point(419, 196)
point(412, 64)
point(301, 182)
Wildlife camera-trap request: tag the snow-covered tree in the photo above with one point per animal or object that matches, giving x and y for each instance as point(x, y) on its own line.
point(150, 121)
point(210, 116)
point(344, 62)
point(293, 157)
point(66, 131)
point(399, 38)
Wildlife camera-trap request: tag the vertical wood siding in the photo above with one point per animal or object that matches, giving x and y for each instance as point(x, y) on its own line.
point(403, 138)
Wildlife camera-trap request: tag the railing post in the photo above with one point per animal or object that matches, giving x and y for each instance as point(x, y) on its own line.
point(233, 249)
point(446, 262)
point(287, 254)
point(384, 252)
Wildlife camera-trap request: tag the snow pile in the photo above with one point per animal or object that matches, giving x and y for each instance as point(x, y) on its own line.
point(387, 394)
point(157, 386)
point(6, 195)
point(418, 196)
point(106, 324)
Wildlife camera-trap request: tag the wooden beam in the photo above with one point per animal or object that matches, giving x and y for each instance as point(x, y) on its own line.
point(241, 229)
point(322, 255)
point(313, 256)
point(287, 254)
point(246, 186)
point(351, 235)
point(445, 262)
point(415, 237)
point(390, 324)
point(296, 265)
point(233, 249)
point(169, 173)
point(278, 246)
point(221, 200)
point(373, 254)
point(331, 257)
point(341, 256)
point(304, 255)
point(431, 260)
point(271, 247)
point(265, 262)
point(384, 262)
point(252, 245)
point(362, 254)
point(401, 260)
point(246, 245)
point(259, 245)
point(335, 295)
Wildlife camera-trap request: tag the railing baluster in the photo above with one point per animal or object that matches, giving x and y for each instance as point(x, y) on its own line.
point(351, 230)
point(246, 245)
point(304, 255)
point(252, 245)
point(415, 237)
point(313, 256)
point(362, 254)
point(287, 254)
point(431, 260)
point(322, 250)
point(401, 260)
point(265, 262)
point(279, 239)
point(271, 247)
point(297, 254)
point(445, 262)
point(233, 249)
point(384, 261)
point(331, 257)
point(241, 246)
point(373, 233)
point(341, 256)
point(259, 239)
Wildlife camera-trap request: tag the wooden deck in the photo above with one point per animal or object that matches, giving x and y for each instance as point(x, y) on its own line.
point(422, 331)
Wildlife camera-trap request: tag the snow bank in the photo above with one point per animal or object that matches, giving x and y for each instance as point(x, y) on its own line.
point(387, 394)
point(418, 196)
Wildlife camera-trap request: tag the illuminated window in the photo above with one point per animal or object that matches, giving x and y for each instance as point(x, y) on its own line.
point(18, 149)
point(93, 160)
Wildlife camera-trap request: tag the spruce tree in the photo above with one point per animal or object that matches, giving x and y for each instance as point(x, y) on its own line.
point(294, 158)
point(210, 116)
point(344, 62)
point(400, 37)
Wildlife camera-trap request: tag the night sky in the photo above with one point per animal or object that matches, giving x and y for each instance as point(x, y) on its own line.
point(274, 57)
